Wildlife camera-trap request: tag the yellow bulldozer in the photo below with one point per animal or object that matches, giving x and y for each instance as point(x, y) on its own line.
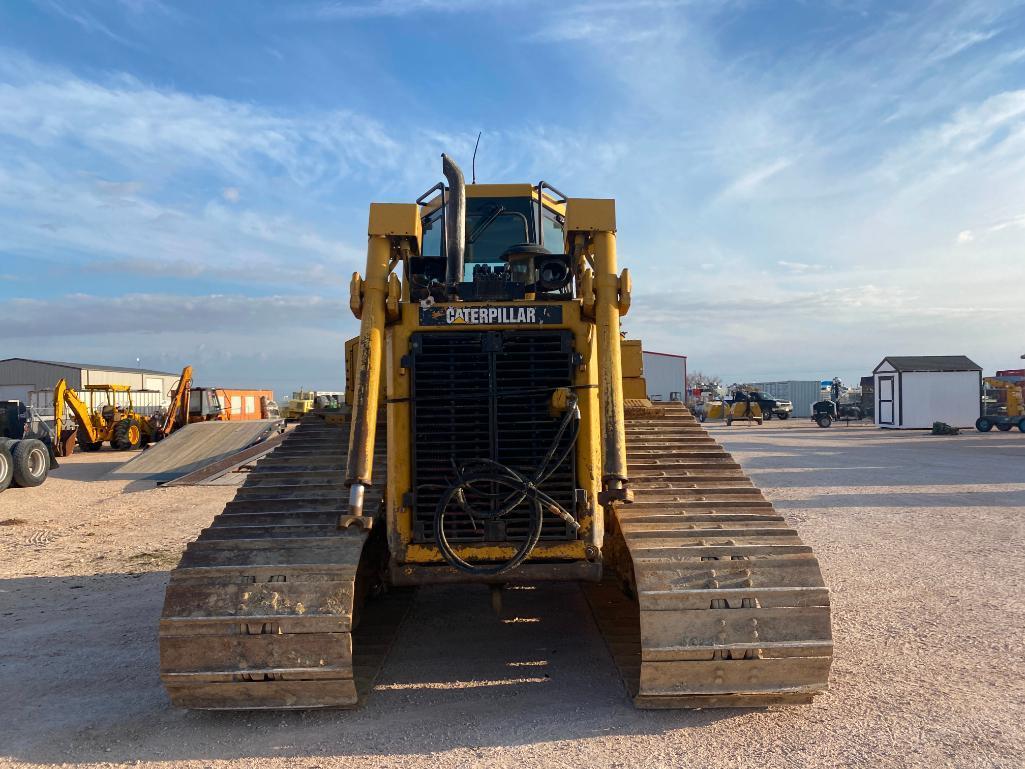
point(487, 439)
point(115, 421)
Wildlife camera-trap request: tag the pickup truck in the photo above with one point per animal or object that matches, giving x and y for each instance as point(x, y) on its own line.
point(770, 405)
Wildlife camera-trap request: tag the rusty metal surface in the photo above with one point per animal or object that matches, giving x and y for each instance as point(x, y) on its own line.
point(266, 606)
point(193, 447)
point(730, 609)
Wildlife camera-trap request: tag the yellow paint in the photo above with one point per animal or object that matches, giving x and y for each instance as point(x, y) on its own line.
point(574, 550)
point(389, 319)
point(590, 226)
point(98, 424)
point(594, 215)
point(635, 388)
point(368, 360)
point(395, 219)
point(102, 388)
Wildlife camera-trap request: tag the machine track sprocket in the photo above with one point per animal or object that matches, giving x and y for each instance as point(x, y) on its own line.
point(263, 611)
point(729, 609)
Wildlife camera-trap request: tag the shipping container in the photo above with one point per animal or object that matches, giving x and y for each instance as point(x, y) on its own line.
point(246, 404)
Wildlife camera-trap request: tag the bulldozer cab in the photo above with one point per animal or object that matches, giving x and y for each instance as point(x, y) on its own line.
point(499, 219)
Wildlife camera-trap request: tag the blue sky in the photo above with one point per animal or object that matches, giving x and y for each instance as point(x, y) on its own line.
point(802, 187)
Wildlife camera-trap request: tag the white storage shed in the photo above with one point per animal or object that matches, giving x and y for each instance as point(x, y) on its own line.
point(912, 392)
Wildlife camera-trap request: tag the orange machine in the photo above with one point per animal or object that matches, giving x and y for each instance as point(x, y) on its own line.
point(212, 404)
point(243, 405)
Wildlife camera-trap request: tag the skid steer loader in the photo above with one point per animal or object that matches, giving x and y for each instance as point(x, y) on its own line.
point(488, 440)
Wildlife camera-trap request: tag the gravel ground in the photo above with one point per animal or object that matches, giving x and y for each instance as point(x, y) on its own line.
point(920, 539)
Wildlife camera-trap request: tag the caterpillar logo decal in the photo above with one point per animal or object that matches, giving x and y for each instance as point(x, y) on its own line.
point(489, 315)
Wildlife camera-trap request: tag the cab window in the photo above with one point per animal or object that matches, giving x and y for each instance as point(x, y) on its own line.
point(432, 227)
point(553, 234)
point(490, 234)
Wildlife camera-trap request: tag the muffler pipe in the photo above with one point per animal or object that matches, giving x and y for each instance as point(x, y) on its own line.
point(455, 221)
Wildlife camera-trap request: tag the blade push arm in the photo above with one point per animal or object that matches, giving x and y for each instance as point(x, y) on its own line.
point(392, 226)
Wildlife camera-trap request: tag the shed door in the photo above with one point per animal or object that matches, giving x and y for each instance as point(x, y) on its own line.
point(885, 409)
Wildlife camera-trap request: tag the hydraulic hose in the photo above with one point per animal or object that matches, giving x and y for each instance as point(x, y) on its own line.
point(506, 488)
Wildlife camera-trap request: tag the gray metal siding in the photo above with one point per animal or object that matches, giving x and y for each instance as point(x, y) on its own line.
point(663, 375)
point(39, 376)
point(802, 393)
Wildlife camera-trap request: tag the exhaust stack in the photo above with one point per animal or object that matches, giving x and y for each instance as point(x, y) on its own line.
point(456, 225)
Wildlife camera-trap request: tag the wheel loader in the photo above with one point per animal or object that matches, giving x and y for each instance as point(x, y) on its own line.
point(486, 439)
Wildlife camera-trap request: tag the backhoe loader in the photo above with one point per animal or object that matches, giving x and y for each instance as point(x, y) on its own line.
point(190, 404)
point(489, 441)
point(113, 422)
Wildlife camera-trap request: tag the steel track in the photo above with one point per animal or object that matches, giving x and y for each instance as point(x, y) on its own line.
point(727, 606)
point(263, 611)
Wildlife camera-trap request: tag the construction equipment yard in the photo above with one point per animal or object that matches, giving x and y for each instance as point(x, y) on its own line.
point(919, 539)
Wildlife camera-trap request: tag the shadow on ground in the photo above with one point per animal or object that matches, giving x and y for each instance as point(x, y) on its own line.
point(79, 662)
point(84, 471)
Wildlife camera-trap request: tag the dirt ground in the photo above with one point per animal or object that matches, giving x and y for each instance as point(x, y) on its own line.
point(920, 539)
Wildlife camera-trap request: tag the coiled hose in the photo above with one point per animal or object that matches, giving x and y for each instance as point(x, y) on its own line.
point(506, 489)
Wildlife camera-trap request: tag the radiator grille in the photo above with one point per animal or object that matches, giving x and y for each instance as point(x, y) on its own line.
point(486, 394)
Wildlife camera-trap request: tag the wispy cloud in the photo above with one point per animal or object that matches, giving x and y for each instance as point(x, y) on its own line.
point(845, 179)
point(134, 124)
point(84, 314)
point(750, 182)
point(342, 9)
point(798, 267)
point(76, 13)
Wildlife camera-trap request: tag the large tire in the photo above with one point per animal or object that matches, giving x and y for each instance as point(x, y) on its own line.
point(31, 463)
point(1004, 427)
point(6, 467)
point(766, 414)
point(823, 420)
point(1021, 424)
point(85, 443)
point(127, 435)
point(983, 425)
point(784, 415)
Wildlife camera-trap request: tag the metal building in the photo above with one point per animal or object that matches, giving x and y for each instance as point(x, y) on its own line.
point(665, 375)
point(801, 393)
point(21, 376)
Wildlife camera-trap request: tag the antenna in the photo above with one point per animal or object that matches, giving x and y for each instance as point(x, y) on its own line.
point(473, 164)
